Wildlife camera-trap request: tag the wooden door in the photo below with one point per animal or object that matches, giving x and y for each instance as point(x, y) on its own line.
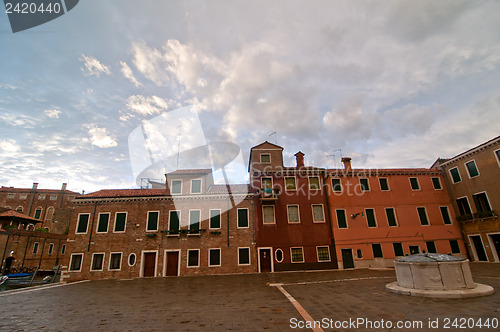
point(265, 260)
point(149, 264)
point(347, 259)
point(173, 263)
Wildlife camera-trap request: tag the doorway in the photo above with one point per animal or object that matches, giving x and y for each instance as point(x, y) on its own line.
point(265, 260)
point(495, 245)
point(149, 264)
point(8, 265)
point(172, 264)
point(478, 248)
point(347, 259)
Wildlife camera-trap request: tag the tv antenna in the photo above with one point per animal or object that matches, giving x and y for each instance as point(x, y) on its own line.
point(178, 144)
point(333, 155)
point(275, 140)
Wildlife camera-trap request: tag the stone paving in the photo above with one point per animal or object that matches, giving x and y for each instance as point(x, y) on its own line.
point(241, 303)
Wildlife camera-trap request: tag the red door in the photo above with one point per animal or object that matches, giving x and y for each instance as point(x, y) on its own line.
point(265, 260)
point(173, 263)
point(149, 264)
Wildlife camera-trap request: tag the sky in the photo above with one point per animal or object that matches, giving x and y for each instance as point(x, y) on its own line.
point(388, 83)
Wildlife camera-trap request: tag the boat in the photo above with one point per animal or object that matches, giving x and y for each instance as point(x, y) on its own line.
point(19, 276)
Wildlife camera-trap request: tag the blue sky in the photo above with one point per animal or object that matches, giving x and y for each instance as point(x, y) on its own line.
point(391, 83)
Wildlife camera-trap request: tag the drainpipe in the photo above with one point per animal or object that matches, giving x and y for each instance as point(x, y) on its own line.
point(92, 226)
point(329, 215)
point(229, 200)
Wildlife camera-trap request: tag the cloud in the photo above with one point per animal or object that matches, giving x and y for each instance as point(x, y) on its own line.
point(99, 137)
point(127, 72)
point(18, 120)
point(54, 114)
point(9, 145)
point(144, 106)
point(93, 67)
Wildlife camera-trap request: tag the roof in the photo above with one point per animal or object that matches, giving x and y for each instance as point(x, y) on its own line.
point(38, 190)
point(109, 193)
point(233, 189)
point(192, 171)
point(469, 152)
point(383, 171)
point(9, 213)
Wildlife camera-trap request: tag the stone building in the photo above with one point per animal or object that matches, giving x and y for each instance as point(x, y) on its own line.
point(51, 207)
point(473, 181)
point(191, 227)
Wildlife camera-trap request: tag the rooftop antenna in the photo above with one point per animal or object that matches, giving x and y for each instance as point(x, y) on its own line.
point(333, 155)
point(275, 140)
point(178, 144)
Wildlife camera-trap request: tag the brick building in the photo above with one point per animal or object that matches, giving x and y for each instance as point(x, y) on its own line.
point(381, 214)
point(473, 180)
point(191, 227)
point(291, 220)
point(51, 207)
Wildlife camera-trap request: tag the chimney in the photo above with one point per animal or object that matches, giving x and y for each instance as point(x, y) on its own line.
point(299, 157)
point(63, 188)
point(347, 163)
point(35, 186)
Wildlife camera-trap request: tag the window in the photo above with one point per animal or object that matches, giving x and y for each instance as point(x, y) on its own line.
point(174, 219)
point(323, 254)
point(314, 183)
point(41, 197)
point(398, 249)
point(265, 158)
point(279, 255)
point(51, 248)
point(384, 184)
point(472, 169)
point(455, 175)
point(196, 186)
point(242, 218)
point(293, 213)
point(297, 255)
point(481, 202)
point(370, 217)
point(431, 247)
point(414, 184)
point(214, 257)
point(194, 221)
point(318, 215)
point(102, 224)
point(11, 195)
point(243, 256)
point(341, 219)
point(497, 154)
point(35, 248)
point(97, 262)
point(268, 214)
point(455, 248)
point(290, 183)
point(152, 223)
point(436, 182)
point(359, 253)
point(364, 184)
point(414, 250)
point(63, 249)
point(267, 186)
point(176, 187)
point(38, 213)
point(422, 215)
point(53, 197)
point(391, 217)
point(193, 258)
point(214, 219)
point(445, 214)
point(50, 213)
point(76, 262)
point(120, 221)
point(463, 206)
point(377, 250)
point(22, 196)
point(336, 185)
point(131, 259)
point(83, 222)
point(115, 261)
point(20, 209)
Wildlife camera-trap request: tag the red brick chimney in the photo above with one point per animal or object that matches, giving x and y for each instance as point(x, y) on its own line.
point(35, 186)
point(299, 157)
point(347, 163)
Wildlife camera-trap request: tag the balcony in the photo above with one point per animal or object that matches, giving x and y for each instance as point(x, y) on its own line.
point(269, 195)
point(477, 216)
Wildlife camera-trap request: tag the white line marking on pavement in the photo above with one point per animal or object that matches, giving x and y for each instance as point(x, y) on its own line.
point(325, 281)
point(27, 290)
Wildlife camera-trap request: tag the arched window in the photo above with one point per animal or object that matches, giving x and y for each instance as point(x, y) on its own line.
point(38, 213)
point(30, 227)
point(50, 213)
point(19, 209)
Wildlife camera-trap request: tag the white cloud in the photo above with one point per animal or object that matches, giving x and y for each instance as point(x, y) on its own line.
point(9, 145)
point(100, 138)
point(53, 113)
point(18, 120)
point(143, 106)
point(127, 72)
point(93, 67)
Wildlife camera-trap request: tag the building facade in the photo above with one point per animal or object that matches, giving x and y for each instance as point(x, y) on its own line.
point(382, 214)
point(191, 227)
point(473, 180)
point(52, 207)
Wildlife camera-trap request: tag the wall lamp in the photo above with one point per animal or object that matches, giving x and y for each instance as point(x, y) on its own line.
point(353, 216)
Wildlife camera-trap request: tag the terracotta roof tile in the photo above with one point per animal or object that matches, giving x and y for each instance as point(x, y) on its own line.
point(192, 171)
point(108, 193)
point(8, 213)
point(234, 189)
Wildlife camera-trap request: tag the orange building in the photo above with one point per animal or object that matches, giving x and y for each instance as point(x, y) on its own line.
point(381, 214)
